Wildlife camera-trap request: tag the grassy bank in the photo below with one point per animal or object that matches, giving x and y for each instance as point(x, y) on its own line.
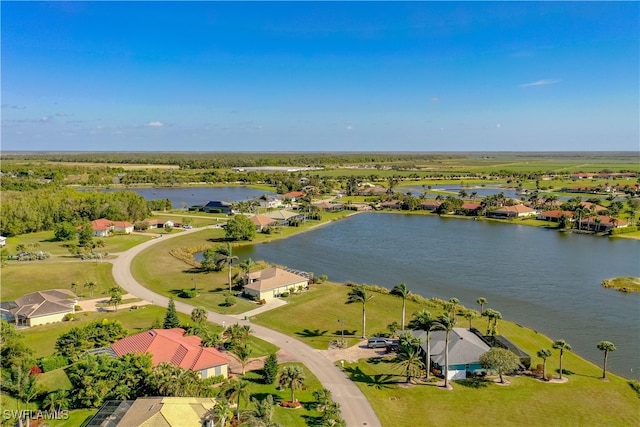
point(470, 403)
point(623, 284)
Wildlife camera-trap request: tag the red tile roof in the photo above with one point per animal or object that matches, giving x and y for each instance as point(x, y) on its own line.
point(171, 346)
point(471, 206)
point(294, 194)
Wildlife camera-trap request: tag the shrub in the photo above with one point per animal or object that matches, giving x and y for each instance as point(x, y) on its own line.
point(549, 377)
point(263, 301)
point(69, 317)
point(49, 363)
point(229, 301)
point(284, 294)
point(188, 293)
point(77, 308)
point(627, 229)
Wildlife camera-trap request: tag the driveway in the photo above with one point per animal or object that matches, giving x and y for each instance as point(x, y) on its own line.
point(356, 410)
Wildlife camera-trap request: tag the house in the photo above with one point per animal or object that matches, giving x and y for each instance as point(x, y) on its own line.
point(555, 215)
point(41, 307)
point(391, 204)
point(430, 205)
point(165, 223)
point(284, 217)
point(601, 223)
point(217, 206)
point(517, 211)
point(329, 206)
point(154, 411)
point(3, 241)
point(103, 227)
point(151, 223)
point(262, 221)
point(470, 208)
point(465, 349)
point(294, 195)
point(271, 202)
point(271, 282)
point(173, 346)
point(371, 190)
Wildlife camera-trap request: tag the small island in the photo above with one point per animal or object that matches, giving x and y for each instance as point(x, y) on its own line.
point(623, 284)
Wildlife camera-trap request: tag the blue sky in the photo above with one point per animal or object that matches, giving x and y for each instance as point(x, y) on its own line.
point(304, 76)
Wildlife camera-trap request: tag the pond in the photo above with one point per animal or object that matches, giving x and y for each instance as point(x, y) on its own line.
point(543, 279)
point(190, 196)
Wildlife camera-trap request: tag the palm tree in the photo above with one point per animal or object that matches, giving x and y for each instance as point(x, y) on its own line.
point(359, 294)
point(493, 316)
point(408, 359)
point(481, 302)
point(423, 321)
point(452, 306)
point(401, 291)
point(246, 265)
point(543, 354)
point(292, 377)
point(74, 287)
point(90, 285)
point(199, 315)
point(236, 390)
point(221, 411)
point(323, 399)
point(562, 345)
point(243, 353)
point(605, 346)
point(470, 315)
point(224, 258)
point(445, 323)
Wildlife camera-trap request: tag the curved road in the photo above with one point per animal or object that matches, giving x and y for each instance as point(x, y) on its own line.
point(356, 410)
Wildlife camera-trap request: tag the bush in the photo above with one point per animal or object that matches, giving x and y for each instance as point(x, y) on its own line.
point(229, 301)
point(188, 293)
point(68, 317)
point(627, 229)
point(49, 363)
point(284, 294)
point(263, 301)
point(77, 308)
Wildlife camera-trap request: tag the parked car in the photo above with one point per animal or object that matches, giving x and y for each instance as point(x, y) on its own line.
point(378, 342)
point(187, 227)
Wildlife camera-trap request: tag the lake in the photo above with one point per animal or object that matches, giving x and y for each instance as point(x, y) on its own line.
point(190, 196)
point(544, 279)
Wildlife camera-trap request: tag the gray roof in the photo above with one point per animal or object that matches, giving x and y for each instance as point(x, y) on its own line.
point(44, 303)
point(465, 347)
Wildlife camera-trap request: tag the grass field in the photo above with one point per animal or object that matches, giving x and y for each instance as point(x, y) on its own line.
point(20, 278)
point(45, 241)
point(608, 403)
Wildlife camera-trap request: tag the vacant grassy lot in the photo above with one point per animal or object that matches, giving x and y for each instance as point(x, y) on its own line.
point(20, 278)
point(45, 241)
point(470, 403)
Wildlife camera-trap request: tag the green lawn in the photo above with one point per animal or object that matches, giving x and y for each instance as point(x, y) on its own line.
point(45, 241)
point(608, 403)
point(283, 416)
point(327, 302)
point(20, 278)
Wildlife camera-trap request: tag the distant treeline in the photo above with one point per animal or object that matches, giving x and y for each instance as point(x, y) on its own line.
point(29, 211)
point(208, 160)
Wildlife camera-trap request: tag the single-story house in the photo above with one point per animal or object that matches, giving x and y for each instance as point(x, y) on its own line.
point(601, 223)
point(173, 346)
point(465, 349)
point(166, 223)
point(593, 207)
point(294, 195)
point(517, 211)
point(329, 206)
point(103, 227)
point(430, 205)
point(155, 411)
point(151, 223)
point(271, 202)
point(555, 215)
point(217, 206)
point(271, 282)
point(3, 241)
point(371, 190)
point(43, 307)
point(262, 221)
point(391, 204)
point(470, 207)
point(284, 216)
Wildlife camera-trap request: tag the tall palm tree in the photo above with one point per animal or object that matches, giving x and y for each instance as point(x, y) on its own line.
point(606, 346)
point(402, 291)
point(423, 321)
point(561, 345)
point(224, 258)
point(481, 302)
point(90, 285)
point(543, 354)
point(220, 412)
point(408, 359)
point(237, 390)
point(470, 315)
point(243, 353)
point(452, 306)
point(445, 323)
point(292, 377)
point(356, 295)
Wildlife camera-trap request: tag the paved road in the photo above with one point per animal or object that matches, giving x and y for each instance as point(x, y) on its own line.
point(356, 410)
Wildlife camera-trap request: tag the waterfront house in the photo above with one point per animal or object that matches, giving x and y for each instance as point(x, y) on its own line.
point(272, 282)
point(517, 211)
point(601, 223)
point(41, 307)
point(173, 346)
point(217, 206)
point(284, 217)
point(555, 215)
point(430, 205)
point(262, 221)
point(465, 349)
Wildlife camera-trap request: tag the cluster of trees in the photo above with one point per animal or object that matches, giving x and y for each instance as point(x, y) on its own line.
point(94, 335)
point(24, 212)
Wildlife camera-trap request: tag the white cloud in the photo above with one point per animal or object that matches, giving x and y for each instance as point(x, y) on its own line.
point(155, 124)
point(435, 99)
point(540, 83)
point(349, 127)
point(44, 119)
